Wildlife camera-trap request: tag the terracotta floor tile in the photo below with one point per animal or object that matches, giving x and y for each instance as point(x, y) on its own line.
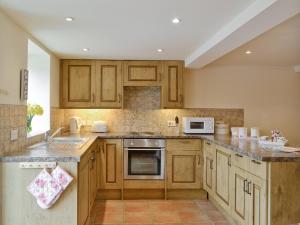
point(109, 218)
point(165, 217)
point(138, 218)
point(192, 217)
point(162, 207)
point(215, 216)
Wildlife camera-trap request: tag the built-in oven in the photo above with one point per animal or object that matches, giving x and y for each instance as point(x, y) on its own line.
point(144, 159)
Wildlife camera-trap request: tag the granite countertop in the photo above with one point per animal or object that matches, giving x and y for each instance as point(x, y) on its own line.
point(45, 152)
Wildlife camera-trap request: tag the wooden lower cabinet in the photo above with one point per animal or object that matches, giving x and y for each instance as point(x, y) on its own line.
point(83, 194)
point(183, 169)
point(249, 201)
point(223, 174)
point(111, 164)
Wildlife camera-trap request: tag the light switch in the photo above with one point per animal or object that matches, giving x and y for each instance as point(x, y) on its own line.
point(14, 134)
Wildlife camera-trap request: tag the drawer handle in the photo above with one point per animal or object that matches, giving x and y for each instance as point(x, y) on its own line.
point(208, 143)
point(256, 162)
point(245, 186)
point(249, 188)
point(238, 155)
point(211, 165)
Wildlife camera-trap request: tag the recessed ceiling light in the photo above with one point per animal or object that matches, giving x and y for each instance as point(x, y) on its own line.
point(160, 50)
point(176, 20)
point(85, 49)
point(69, 19)
point(248, 52)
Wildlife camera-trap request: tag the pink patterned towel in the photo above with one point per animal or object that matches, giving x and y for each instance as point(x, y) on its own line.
point(48, 188)
point(44, 188)
point(62, 177)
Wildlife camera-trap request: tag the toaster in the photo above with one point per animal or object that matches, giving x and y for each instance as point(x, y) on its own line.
point(99, 127)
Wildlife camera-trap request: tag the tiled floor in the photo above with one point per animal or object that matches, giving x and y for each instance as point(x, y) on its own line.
point(152, 212)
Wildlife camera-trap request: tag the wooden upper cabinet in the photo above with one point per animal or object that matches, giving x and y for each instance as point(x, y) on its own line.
point(78, 79)
point(172, 92)
point(109, 91)
point(142, 73)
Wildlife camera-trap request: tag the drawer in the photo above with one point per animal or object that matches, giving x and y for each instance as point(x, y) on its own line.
point(258, 168)
point(240, 161)
point(184, 144)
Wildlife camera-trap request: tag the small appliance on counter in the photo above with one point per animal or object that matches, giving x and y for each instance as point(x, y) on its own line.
point(75, 125)
point(222, 128)
point(198, 125)
point(99, 127)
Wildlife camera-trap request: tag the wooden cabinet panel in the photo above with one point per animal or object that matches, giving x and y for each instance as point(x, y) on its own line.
point(172, 93)
point(83, 194)
point(184, 144)
point(208, 173)
point(258, 201)
point(240, 208)
point(142, 73)
point(223, 173)
point(109, 84)
point(111, 165)
point(78, 78)
point(184, 170)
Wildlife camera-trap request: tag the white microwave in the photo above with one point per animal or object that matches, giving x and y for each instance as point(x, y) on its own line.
point(198, 125)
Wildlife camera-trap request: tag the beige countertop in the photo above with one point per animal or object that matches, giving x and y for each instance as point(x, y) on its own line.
point(45, 152)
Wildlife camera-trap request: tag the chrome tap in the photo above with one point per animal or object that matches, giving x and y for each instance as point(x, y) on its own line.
point(49, 138)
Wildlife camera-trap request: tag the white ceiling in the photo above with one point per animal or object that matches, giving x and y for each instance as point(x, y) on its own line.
point(279, 46)
point(119, 29)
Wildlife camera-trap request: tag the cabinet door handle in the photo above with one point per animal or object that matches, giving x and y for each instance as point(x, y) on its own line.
point(249, 187)
point(119, 98)
point(256, 162)
point(93, 97)
point(229, 161)
point(208, 143)
point(198, 159)
point(245, 185)
point(238, 155)
point(160, 75)
point(181, 98)
point(211, 165)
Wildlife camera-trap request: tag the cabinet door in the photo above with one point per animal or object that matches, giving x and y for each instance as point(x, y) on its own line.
point(240, 197)
point(209, 172)
point(172, 94)
point(184, 169)
point(112, 164)
point(99, 173)
point(142, 73)
point(83, 194)
point(258, 197)
point(78, 79)
point(109, 84)
point(93, 178)
point(223, 173)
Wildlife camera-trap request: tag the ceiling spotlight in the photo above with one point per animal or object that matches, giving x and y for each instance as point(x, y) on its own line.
point(85, 49)
point(69, 19)
point(160, 50)
point(176, 20)
point(248, 52)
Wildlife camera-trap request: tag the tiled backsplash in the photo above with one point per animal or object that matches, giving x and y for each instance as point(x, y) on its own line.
point(151, 120)
point(141, 113)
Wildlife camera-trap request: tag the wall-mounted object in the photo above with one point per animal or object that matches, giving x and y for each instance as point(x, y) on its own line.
point(24, 84)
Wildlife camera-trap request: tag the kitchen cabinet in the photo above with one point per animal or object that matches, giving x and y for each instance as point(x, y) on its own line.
point(184, 164)
point(209, 172)
point(111, 164)
point(249, 204)
point(109, 91)
point(142, 73)
point(78, 84)
point(83, 191)
point(172, 90)
point(223, 174)
point(92, 176)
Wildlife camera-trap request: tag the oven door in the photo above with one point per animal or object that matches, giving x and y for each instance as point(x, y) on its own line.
point(141, 163)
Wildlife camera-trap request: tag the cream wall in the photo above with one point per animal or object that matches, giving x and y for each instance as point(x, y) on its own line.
point(13, 58)
point(269, 95)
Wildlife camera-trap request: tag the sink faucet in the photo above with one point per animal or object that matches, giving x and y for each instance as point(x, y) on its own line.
point(49, 138)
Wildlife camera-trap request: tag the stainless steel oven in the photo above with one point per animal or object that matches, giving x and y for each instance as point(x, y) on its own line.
point(144, 159)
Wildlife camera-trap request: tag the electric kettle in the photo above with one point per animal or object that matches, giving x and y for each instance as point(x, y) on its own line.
point(75, 125)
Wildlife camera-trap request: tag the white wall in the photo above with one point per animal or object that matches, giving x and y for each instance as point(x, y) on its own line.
point(13, 58)
point(270, 96)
